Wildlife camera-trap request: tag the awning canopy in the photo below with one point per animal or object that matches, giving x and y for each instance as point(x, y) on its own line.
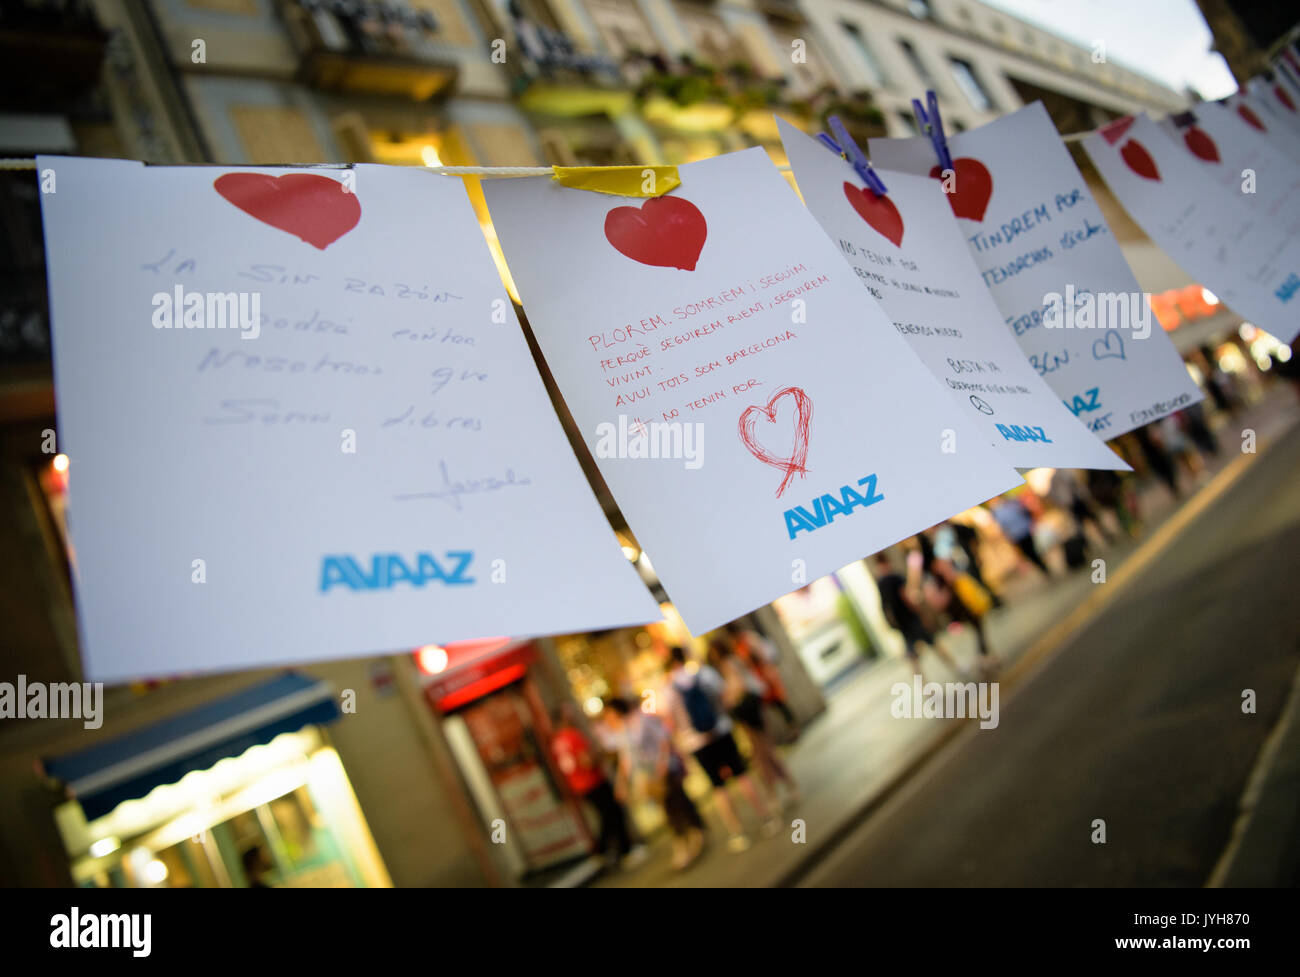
point(105, 775)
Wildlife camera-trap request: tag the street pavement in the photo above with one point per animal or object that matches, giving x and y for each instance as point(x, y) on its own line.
point(1136, 721)
point(1128, 713)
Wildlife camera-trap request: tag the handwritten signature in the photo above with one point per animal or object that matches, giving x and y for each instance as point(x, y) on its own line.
point(451, 491)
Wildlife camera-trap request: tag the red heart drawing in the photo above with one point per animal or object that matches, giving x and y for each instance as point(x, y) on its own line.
point(879, 212)
point(1112, 131)
point(664, 231)
point(1200, 143)
point(1283, 97)
point(1139, 160)
point(1250, 117)
point(974, 187)
point(311, 207)
point(803, 412)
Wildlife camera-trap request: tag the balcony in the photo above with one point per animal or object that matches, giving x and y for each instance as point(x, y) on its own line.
point(372, 47)
point(691, 96)
point(50, 53)
point(553, 76)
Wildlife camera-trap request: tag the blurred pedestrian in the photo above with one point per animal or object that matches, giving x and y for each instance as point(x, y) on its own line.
point(703, 729)
point(761, 655)
point(967, 603)
point(1066, 492)
point(1017, 525)
point(587, 781)
point(257, 866)
point(742, 695)
point(646, 755)
point(1198, 429)
point(900, 602)
point(968, 541)
point(1219, 384)
point(1179, 445)
point(1157, 458)
point(1109, 491)
point(1288, 368)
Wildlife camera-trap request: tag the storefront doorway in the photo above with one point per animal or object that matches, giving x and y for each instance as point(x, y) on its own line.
point(496, 722)
point(245, 791)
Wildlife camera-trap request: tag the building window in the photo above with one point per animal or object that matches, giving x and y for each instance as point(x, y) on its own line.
point(710, 36)
point(917, 64)
point(970, 85)
point(920, 9)
point(909, 120)
point(811, 73)
point(536, 12)
point(868, 55)
point(622, 27)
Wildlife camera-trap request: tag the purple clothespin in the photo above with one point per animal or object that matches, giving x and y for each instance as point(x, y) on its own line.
point(849, 149)
point(932, 126)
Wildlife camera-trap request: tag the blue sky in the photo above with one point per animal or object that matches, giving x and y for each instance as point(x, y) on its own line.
point(1164, 39)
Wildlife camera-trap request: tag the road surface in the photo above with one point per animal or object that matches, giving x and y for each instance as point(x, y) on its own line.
point(1137, 721)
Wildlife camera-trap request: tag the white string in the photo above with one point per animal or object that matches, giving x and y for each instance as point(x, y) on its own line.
point(30, 164)
point(13, 163)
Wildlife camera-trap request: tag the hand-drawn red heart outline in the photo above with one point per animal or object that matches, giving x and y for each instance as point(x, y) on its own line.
point(798, 460)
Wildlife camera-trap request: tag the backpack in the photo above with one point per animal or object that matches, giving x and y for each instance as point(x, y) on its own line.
point(699, 707)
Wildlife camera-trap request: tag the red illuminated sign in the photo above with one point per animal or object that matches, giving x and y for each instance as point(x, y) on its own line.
point(1182, 305)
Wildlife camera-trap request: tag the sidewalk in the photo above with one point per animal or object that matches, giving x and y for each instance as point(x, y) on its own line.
point(851, 757)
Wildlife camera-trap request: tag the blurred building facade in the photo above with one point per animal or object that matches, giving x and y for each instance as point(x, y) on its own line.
point(443, 743)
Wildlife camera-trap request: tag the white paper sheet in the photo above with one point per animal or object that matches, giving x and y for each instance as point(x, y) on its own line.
point(911, 255)
point(723, 308)
point(1044, 249)
point(1245, 257)
point(1261, 118)
point(460, 513)
point(1279, 99)
point(1240, 159)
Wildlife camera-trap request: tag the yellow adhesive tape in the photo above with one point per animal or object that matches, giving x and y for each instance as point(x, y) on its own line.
point(621, 181)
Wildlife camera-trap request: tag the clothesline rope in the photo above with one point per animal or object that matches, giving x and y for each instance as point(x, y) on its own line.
point(30, 164)
point(15, 163)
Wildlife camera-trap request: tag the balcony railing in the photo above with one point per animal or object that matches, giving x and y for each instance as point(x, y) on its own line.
point(383, 47)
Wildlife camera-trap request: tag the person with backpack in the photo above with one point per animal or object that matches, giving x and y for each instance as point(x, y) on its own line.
point(703, 729)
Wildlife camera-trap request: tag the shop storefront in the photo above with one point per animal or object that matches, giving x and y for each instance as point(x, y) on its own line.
point(834, 623)
point(494, 702)
point(243, 791)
